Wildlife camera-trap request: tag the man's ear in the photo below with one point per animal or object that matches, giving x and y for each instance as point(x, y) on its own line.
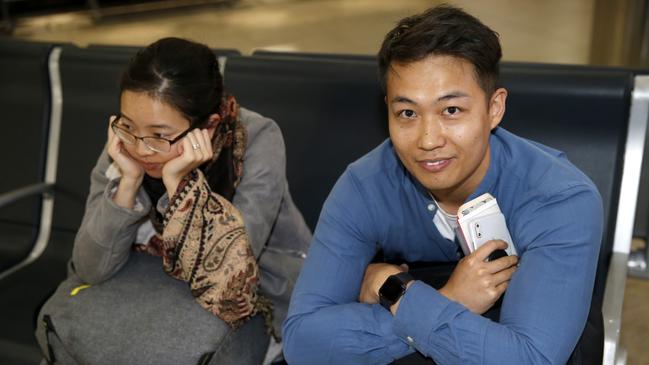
point(497, 106)
point(212, 123)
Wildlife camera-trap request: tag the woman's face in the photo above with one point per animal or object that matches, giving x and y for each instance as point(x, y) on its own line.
point(144, 116)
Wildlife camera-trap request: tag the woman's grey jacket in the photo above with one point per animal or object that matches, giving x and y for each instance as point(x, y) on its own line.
point(278, 234)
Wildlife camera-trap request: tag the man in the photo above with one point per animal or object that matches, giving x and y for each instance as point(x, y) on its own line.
point(440, 70)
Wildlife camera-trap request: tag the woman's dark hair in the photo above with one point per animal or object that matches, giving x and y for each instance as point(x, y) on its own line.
point(443, 30)
point(181, 73)
point(186, 76)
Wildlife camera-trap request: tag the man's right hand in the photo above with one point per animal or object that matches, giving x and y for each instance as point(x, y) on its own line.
point(476, 283)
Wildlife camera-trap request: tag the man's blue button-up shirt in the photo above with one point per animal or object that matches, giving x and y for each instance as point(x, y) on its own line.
point(553, 212)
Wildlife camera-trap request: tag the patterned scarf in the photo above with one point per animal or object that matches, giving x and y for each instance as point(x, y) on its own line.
point(201, 237)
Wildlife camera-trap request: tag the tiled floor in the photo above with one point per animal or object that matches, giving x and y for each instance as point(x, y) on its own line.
point(555, 31)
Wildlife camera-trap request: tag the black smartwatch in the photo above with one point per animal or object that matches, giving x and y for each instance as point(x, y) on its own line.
point(393, 288)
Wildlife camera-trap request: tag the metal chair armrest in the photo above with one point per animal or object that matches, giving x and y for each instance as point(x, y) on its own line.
point(25, 192)
point(45, 190)
point(612, 309)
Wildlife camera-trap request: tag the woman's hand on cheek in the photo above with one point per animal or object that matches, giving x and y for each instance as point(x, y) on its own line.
point(130, 169)
point(195, 149)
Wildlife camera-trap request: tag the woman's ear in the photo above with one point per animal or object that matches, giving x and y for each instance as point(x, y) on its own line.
point(212, 123)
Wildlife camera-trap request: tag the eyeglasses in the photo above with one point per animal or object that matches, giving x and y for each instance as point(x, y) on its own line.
point(156, 144)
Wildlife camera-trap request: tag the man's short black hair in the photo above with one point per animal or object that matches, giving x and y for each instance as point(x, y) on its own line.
point(444, 30)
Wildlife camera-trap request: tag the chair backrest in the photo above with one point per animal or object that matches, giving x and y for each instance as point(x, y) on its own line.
point(331, 112)
point(583, 112)
point(90, 84)
point(309, 55)
point(219, 52)
point(24, 117)
point(25, 106)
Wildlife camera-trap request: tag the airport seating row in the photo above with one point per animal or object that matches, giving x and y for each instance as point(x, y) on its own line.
point(55, 101)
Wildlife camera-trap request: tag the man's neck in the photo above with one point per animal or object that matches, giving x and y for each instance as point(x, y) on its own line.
point(450, 206)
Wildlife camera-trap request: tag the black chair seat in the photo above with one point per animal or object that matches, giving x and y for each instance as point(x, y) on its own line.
point(24, 292)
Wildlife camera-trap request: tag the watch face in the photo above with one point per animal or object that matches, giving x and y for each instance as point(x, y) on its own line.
point(392, 289)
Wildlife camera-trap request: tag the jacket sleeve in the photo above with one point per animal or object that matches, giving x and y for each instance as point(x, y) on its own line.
point(107, 231)
point(261, 190)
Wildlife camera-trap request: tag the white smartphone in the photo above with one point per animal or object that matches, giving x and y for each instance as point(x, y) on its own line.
point(480, 220)
point(491, 227)
point(484, 204)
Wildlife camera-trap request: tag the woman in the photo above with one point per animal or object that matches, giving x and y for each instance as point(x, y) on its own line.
point(188, 176)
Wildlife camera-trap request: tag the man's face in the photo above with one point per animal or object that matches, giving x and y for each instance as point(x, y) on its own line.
point(440, 121)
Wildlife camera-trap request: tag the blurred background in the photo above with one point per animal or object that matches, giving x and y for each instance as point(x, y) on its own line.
point(599, 32)
point(591, 32)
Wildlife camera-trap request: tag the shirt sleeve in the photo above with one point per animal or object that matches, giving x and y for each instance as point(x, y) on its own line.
point(103, 241)
point(261, 190)
point(545, 307)
point(326, 324)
